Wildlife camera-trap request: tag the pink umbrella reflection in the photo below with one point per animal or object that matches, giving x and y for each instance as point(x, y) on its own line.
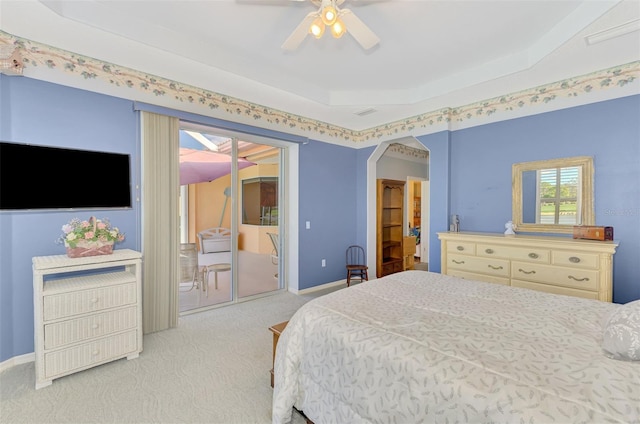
point(198, 166)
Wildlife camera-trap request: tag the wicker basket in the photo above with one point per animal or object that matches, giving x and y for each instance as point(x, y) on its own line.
point(90, 248)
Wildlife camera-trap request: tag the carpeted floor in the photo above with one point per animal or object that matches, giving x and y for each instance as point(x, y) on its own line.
point(213, 368)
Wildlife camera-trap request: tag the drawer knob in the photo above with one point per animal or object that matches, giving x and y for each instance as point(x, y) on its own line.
point(460, 248)
point(94, 326)
point(95, 352)
point(495, 267)
point(94, 300)
point(574, 259)
point(526, 272)
point(488, 251)
point(457, 262)
point(579, 279)
point(533, 255)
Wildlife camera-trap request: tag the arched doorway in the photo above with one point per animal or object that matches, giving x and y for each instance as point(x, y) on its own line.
point(403, 159)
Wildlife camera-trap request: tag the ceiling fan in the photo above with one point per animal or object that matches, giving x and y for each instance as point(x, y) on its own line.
point(339, 21)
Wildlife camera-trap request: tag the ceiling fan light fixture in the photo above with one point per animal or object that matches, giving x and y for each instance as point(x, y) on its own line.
point(329, 13)
point(338, 29)
point(338, 22)
point(317, 28)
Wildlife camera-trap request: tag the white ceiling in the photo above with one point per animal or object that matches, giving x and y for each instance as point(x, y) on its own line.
point(432, 54)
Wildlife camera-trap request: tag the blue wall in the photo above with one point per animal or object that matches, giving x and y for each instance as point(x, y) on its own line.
point(439, 211)
point(470, 174)
point(329, 201)
point(481, 159)
point(47, 114)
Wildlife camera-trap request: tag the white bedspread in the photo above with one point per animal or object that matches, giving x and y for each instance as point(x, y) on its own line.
point(424, 347)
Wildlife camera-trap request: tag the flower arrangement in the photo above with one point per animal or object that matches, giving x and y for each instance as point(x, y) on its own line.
point(90, 237)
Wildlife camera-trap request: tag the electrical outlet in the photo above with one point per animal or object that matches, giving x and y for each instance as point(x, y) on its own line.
point(324, 263)
point(308, 225)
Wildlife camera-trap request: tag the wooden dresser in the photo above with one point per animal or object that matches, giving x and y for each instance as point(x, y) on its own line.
point(89, 315)
point(409, 251)
point(560, 265)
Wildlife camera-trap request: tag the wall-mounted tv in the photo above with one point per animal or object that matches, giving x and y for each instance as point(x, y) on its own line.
point(40, 177)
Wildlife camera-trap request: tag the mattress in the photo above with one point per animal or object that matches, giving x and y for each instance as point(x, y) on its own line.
point(424, 347)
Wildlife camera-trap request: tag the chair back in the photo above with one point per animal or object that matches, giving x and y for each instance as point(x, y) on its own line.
point(355, 255)
point(213, 240)
point(275, 241)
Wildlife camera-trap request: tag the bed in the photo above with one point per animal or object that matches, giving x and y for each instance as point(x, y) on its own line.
point(423, 347)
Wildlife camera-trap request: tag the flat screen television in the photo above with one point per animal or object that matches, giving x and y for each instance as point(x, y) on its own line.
point(40, 177)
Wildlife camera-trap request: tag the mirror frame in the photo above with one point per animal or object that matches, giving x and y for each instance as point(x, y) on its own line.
point(587, 207)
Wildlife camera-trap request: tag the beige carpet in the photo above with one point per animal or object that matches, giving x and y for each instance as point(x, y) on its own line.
point(213, 368)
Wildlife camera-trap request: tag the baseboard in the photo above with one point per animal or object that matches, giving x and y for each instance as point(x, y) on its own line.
point(321, 287)
point(17, 360)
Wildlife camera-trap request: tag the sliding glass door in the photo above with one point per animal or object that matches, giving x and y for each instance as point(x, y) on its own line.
point(259, 218)
point(230, 220)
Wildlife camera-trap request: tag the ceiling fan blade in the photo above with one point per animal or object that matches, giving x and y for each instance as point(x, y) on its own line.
point(270, 2)
point(358, 29)
point(298, 34)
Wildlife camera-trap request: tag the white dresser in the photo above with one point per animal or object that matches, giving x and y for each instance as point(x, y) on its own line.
point(88, 311)
point(560, 265)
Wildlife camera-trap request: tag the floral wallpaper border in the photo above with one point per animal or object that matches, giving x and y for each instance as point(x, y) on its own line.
point(39, 55)
point(404, 150)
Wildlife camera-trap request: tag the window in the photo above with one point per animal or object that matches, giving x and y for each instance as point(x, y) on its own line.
point(260, 201)
point(557, 194)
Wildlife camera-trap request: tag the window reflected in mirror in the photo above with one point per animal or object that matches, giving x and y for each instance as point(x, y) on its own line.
point(554, 195)
point(551, 196)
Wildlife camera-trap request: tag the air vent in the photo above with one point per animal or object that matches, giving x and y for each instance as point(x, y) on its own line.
point(365, 112)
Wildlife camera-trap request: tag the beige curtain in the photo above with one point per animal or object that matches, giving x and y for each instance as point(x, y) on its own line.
point(160, 220)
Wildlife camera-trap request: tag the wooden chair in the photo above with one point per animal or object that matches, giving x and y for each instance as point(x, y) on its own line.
point(356, 264)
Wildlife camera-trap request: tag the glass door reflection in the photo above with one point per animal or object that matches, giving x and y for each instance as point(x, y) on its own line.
point(259, 198)
point(205, 221)
point(229, 219)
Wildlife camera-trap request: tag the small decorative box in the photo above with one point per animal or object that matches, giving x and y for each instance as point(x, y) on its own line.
point(592, 232)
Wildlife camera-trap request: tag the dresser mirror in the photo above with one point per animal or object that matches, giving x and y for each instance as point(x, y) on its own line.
point(551, 196)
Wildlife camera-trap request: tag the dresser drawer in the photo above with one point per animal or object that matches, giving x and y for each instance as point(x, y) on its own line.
point(489, 266)
point(478, 277)
point(82, 301)
point(75, 330)
point(566, 277)
point(461, 247)
point(89, 354)
point(510, 252)
point(573, 259)
point(393, 266)
point(555, 289)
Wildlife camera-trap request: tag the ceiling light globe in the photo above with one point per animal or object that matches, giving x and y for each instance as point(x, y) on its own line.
point(338, 29)
point(317, 28)
point(329, 15)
